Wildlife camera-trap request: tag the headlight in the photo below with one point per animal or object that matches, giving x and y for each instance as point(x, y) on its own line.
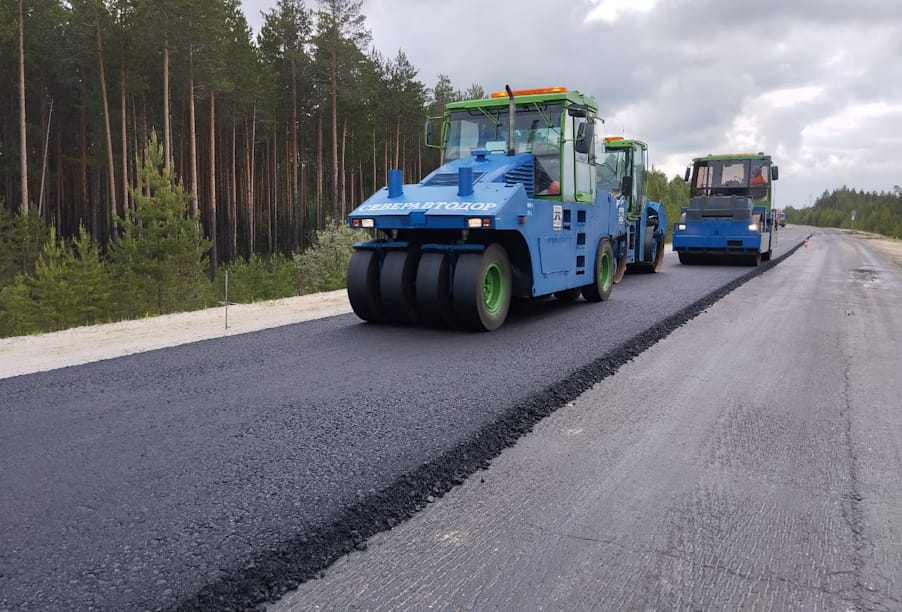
point(681, 226)
point(753, 227)
point(367, 223)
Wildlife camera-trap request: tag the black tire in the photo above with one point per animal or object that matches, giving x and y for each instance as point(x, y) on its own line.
point(600, 289)
point(396, 286)
point(363, 286)
point(433, 290)
point(766, 256)
point(754, 260)
point(620, 270)
point(658, 262)
point(568, 295)
point(685, 258)
point(482, 289)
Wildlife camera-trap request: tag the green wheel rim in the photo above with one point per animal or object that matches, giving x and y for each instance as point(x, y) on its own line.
point(606, 269)
point(493, 288)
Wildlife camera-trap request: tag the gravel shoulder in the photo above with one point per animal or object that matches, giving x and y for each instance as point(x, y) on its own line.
point(38, 353)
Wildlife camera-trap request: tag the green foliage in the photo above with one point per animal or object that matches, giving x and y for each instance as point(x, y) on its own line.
point(673, 194)
point(69, 287)
point(324, 265)
point(22, 238)
point(259, 278)
point(159, 262)
point(880, 213)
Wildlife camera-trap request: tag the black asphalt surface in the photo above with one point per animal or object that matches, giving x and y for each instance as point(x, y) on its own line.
point(220, 474)
point(749, 461)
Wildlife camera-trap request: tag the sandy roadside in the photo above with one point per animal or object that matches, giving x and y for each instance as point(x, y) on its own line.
point(27, 354)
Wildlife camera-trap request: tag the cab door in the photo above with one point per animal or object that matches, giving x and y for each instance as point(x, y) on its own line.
point(584, 158)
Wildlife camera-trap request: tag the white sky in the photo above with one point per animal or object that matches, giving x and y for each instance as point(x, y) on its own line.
point(815, 83)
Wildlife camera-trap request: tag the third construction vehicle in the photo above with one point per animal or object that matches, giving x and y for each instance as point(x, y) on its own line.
point(730, 214)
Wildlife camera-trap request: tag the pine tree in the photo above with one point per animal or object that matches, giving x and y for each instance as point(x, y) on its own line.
point(159, 263)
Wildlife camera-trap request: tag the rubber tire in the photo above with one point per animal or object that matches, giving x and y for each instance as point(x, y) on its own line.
point(755, 260)
point(686, 259)
point(620, 270)
point(658, 262)
point(600, 289)
point(433, 290)
point(568, 295)
point(396, 286)
point(470, 285)
point(363, 286)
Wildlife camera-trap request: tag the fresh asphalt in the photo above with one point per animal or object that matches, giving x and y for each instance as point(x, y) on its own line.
point(749, 461)
point(221, 474)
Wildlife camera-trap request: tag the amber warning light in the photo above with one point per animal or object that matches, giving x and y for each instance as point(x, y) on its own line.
point(529, 92)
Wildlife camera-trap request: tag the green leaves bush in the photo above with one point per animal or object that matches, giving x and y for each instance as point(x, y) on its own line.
point(324, 265)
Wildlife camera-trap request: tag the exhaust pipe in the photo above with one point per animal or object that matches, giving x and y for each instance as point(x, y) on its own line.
point(511, 111)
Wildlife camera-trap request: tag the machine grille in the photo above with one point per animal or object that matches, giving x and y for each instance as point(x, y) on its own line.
point(447, 179)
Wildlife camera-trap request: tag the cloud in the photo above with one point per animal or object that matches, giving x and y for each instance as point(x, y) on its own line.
point(815, 84)
point(611, 10)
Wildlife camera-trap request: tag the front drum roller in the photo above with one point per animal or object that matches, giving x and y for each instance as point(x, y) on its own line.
point(482, 289)
point(363, 285)
point(433, 290)
point(653, 257)
point(396, 286)
point(600, 289)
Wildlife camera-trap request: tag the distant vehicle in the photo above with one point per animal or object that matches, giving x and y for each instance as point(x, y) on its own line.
point(514, 210)
point(730, 214)
point(781, 218)
point(622, 172)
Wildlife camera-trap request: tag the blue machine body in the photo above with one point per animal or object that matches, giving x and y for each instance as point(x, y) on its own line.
point(730, 214)
point(740, 229)
point(558, 237)
point(520, 182)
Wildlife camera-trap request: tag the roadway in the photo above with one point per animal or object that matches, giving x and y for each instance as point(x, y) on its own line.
point(218, 474)
point(750, 460)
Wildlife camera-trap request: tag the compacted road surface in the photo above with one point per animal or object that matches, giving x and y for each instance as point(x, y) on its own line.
point(219, 474)
point(751, 460)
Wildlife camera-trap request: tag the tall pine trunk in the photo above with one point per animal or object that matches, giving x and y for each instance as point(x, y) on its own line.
point(23, 144)
point(319, 174)
point(214, 260)
point(343, 170)
point(124, 123)
point(167, 135)
point(192, 129)
point(334, 134)
point(111, 170)
point(233, 196)
point(293, 165)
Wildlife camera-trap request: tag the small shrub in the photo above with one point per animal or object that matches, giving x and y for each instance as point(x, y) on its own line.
point(259, 278)
point(324, 265)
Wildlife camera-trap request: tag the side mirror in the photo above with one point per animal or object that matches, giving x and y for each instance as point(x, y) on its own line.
point(774, 173)
point(686, 176)
point(429, 133)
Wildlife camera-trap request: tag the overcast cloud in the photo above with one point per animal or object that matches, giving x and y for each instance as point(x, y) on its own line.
point(815, 83)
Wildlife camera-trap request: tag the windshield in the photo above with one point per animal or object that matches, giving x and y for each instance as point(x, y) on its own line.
point(610, 173)
point(537, 129)
point(731, 177)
